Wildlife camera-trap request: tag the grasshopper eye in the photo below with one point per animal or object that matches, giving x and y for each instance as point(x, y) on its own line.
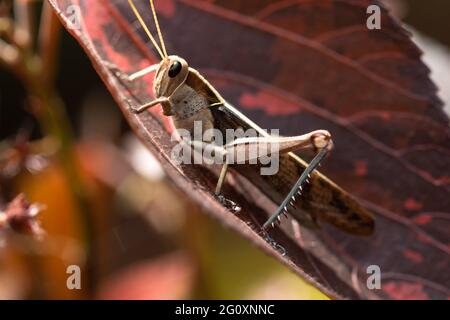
point(175, 69)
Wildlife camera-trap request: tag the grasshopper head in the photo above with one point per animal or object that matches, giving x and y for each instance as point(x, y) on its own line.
point(171, 74)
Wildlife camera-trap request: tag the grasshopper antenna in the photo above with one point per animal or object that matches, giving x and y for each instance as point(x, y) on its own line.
point(141, 21)
point(158, 29)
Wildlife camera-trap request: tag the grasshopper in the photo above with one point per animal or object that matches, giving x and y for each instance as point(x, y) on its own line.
point(188, 98)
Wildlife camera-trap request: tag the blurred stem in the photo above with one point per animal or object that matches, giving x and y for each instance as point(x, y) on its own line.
point(48, 44)
point(55, 122)
point(37, 72)
point(23, 18)
point(53, 119)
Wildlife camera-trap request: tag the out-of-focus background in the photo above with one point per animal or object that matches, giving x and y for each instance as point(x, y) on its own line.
point(106, 205)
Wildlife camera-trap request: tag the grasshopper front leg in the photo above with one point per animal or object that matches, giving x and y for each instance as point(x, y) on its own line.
point(139, 74)
point(149, 105)
point(130, 78)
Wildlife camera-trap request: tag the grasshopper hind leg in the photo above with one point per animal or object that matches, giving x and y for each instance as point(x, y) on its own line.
point(324, 145)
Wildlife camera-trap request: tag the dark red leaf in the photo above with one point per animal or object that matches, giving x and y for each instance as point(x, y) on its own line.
point(300, 66)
